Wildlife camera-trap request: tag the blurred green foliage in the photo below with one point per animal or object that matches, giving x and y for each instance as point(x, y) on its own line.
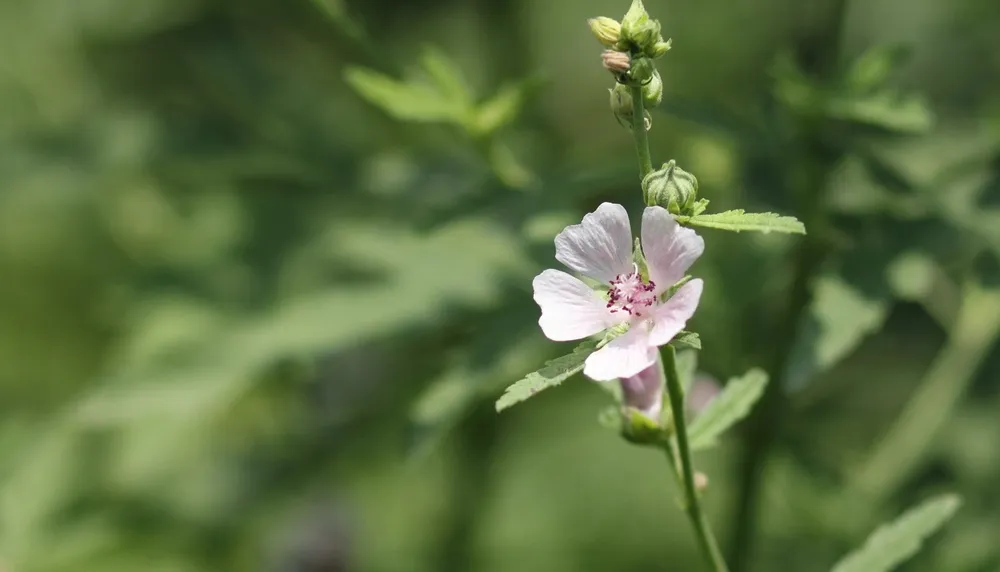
point(251, 321)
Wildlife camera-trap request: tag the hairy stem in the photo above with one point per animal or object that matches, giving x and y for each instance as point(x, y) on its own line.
point(639, 133)
point(702, 530)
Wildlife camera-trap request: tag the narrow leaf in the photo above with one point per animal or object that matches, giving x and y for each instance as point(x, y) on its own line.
point(404, 101)
point(738, 220)
point(727, 408)
point(894, 543)
point(552, 374)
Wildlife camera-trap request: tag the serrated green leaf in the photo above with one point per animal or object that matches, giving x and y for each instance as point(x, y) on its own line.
point(552, 374)
point(727, 408)
point(686, 339)
point(840, 316)
point(738, 220)
point(893, 543)
point(403, 101)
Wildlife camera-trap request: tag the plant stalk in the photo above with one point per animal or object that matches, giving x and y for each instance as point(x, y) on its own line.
point(702, 529)
point(639, 133)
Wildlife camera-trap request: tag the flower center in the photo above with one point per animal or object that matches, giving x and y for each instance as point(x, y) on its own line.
point(630, 294)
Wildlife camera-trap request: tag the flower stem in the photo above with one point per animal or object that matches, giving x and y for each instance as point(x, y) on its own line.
point(639, 132)
point(702, 530)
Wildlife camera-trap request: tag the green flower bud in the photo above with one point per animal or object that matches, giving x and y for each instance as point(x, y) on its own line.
point(671, 188)
point(638, 428)
point(659, 48)
point(639, 30)
point(652, 91)
point(624, 108)
point(607, 30)
point(635, 17)
point(641, 70)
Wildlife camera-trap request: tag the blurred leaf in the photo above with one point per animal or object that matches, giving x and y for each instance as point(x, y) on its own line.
point(36, 489)
point(508, 168)
point(839, 317)
point(404, 101)
point(872, 69)
point(446, 400)
point(738, 220)
point(730, 406)
point(336, 10)
point(447, 77)
point(894, 543)
point(503, 107)
point(552, 374)
point(686, 339)
point(886, 109)
point(711, 117)
point(911, 276)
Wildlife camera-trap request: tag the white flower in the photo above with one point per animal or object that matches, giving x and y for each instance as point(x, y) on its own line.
point(601, 248)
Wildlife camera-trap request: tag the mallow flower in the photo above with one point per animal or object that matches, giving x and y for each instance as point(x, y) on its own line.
point(601, 248)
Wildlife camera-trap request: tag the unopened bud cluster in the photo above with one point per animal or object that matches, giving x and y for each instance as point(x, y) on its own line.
point(632, 45)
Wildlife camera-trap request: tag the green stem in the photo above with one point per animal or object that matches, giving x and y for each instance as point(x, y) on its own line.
point(639, 132)
point(702, 530)
point(973, 335)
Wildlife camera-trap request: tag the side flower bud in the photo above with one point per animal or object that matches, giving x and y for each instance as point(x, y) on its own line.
point(671, 188)
point(624, 108)
point(607, 30)
point(641, 70)
point(658, 49)
point(644, 392)
point(652, 91)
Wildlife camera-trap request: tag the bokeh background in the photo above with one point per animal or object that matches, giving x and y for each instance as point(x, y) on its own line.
point(265, 266)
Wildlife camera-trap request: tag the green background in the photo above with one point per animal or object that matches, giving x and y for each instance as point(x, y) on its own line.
point(252, 320)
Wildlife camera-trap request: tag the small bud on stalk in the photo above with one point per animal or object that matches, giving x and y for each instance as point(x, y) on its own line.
point(624, 108)
point(607, 30)
point(672, 188)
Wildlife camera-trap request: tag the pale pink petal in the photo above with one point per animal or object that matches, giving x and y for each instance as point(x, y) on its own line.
point(624, 356)
point(600, 246)
point(670, 317)
point(669, 248)
point(571, 310)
